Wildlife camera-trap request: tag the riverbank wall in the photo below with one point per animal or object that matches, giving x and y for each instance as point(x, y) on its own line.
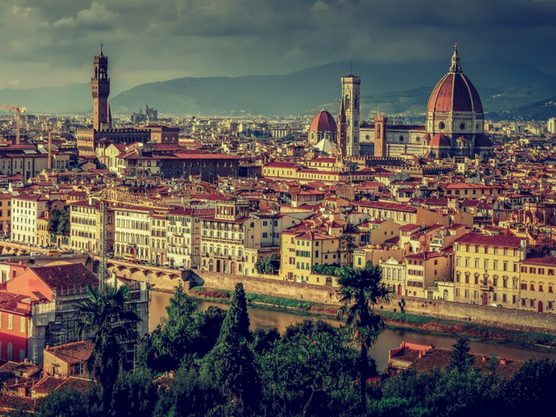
point(512, 319)
point(269, 286)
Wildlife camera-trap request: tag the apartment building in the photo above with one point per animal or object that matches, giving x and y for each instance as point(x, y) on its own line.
point(301, 250)
point(394, 275)
point(132, 234)
point(26, 210)
point(5, 212)
point(486, 269)
point(183, 236)
point(85, 226)
point(158, 222)
point(537, 284)
point(423, 270)
point(226, 234)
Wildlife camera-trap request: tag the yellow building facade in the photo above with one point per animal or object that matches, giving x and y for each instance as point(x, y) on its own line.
point(486, 269)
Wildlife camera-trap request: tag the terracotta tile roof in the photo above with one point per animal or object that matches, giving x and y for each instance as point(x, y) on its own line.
point(65, 276)
point(387, 206)
point(497, 240)
point(73, 353)
point(282, 165)
point(10, 302)
point(546, 260)
point(48, 384)
point(20, 369)
point(10, 402)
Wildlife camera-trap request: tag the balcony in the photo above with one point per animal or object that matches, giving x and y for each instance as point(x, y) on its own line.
point(483, 287)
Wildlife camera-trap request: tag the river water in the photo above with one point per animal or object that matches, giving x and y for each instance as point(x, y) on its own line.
point(388, 339)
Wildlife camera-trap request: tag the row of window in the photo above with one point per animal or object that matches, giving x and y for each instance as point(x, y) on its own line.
point(486, 250)
point(81, 220)
point(10, 322)
point(486, 264)
point(540, 287)
point(132, 224)
point(537, 271)
point(131, 238)
point(549, 304)
point(10, 352)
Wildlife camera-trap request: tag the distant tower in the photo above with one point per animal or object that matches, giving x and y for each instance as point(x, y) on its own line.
point(380, 136)
point(350, 101)
point(100, 89)
point(341, 140)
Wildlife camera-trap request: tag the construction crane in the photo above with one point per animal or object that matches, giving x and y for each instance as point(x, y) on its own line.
point(109, 196)
point(18, 112)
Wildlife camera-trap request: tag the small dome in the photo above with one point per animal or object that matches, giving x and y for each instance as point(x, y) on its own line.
point(323, 122)
point(462, 137)
point(483, 141)
point(427, 136)
point(439, 141)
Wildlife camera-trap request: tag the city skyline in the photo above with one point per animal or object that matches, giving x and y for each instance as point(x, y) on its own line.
point(51, 44)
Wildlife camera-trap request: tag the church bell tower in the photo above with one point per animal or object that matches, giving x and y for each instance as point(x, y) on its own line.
point(350, 101)
point(100, 89)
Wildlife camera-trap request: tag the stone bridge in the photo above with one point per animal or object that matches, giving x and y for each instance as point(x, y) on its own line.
point(18, 249)
point(160, 278)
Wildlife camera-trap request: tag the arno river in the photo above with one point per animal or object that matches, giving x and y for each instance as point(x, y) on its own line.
point(389, 339)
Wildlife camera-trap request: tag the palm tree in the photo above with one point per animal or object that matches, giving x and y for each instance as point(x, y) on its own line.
point(106, 318)
point(347, 244)
point(361, 290)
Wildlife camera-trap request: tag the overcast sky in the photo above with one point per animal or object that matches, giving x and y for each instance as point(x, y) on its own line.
point(52, 42)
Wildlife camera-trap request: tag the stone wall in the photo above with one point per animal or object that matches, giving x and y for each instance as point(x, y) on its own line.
point(278, 288)
point(484, 315)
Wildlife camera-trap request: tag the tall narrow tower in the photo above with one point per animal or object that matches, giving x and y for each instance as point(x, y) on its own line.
point(100, 89)
point(341, 136)
point(380, 136)
point(350, 100)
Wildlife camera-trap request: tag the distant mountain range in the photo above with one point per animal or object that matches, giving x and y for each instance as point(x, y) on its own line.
point(508, 90)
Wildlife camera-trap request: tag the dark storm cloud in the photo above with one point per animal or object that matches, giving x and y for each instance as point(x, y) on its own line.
point(53, 41)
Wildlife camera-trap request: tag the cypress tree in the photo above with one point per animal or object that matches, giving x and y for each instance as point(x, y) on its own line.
point(237, 318)
point(231, 363)
point(462, 360)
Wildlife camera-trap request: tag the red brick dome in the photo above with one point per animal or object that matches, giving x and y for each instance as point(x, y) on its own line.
point(455, 92)
point(440, 141)
point(483, 141)
point(323, 122)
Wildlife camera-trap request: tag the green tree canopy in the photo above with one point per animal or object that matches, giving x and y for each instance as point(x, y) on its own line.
point(106, 315)
point(461, 359)
point(310, 366)
point(186, 331)
point(360, 291)
point(231, 363)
